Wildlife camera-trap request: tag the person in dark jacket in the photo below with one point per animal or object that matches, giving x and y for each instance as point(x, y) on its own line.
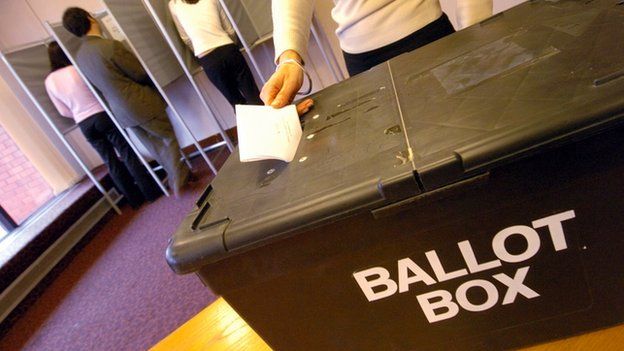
point(118, 75)
point(73, 99)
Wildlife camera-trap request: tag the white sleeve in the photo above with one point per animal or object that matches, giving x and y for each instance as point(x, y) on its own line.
point(225, 23)
point(291, 25)
point(470, 12)
point(185, 38)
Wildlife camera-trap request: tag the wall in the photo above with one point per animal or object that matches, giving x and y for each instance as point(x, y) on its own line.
point(31, 138)
point(22, 188)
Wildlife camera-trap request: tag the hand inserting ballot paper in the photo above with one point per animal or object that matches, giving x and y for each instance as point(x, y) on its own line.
point(267, 133)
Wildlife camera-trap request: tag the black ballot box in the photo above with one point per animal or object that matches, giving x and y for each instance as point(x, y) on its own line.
point(465, 196)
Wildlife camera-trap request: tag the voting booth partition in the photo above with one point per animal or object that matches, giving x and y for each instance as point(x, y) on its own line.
point(252, 21)
point(30, 66)
point(158, 10)
point(253, 25)
point(70, 44)
point(141, 34)
point(465, 196)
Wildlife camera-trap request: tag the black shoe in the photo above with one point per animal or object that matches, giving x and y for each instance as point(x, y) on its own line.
point(153, 196)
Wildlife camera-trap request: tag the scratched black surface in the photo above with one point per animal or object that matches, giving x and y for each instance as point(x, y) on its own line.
point(489, 94)
point(355, 138)
point(513, 83)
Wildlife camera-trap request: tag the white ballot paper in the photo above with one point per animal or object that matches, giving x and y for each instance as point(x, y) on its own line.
point(267, 133)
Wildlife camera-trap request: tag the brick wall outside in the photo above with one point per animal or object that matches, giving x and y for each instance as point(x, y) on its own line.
point(22, 189)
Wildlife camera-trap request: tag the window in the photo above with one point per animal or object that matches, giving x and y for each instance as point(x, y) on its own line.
point(22, 189)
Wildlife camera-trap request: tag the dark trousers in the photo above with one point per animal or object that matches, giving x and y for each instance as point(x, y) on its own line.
point(158, 137)
point(227, 69)
point(358, 63)
point(128, 173)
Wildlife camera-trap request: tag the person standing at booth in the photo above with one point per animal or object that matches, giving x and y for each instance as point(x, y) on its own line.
point(369, 32)
point(72, 98)
point(129, 91)
point(203, 26)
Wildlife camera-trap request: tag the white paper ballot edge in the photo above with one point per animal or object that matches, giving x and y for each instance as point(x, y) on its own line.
point(267, 133)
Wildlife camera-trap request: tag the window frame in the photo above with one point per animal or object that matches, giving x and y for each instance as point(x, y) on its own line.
point(6, 221)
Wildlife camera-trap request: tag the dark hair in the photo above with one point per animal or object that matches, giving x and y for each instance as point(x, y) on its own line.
point(58, 59)
point(76, 21)
point(192, 2)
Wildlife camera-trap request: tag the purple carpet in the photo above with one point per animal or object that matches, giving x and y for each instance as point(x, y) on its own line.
point(117, 292)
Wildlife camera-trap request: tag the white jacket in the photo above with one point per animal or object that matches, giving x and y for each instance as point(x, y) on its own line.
point(203, 25)
point(365, 25)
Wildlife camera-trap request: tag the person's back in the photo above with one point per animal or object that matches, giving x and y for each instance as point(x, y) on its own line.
point(73, 99)
point(76, 100)
point(129, 92)
point(204, 25)
point(118, 75)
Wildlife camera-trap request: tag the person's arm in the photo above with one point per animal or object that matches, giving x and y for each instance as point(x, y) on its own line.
point(129, 64)
point(291, 30)
point(470, 12)
point(62, 109)
point(183, 35)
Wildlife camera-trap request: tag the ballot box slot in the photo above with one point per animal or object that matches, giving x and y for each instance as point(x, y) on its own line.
point(609, 78)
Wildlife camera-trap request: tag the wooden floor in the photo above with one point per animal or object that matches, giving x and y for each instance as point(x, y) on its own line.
point(219, 328)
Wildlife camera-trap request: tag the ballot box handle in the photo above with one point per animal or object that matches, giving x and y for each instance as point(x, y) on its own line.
point(432, 196)
point(203, 198)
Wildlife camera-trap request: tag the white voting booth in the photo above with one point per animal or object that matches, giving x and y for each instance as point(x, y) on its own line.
point(158, 10)
point(30, 66)
point(167, 73)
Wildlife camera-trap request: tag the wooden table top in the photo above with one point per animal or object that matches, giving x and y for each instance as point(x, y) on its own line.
point(219, 328)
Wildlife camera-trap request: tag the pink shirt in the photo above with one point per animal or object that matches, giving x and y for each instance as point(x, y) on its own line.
point(71, 95)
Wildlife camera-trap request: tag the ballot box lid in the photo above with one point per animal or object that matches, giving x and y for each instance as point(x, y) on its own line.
point(541, 74)
point(352, 156)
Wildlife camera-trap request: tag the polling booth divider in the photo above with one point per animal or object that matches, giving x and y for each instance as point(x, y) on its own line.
point(30, 66)
point(69, 43)
point(162, 18)
point(253, 24)
point(249, 34)
point(333, 65)
point(155, 55)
